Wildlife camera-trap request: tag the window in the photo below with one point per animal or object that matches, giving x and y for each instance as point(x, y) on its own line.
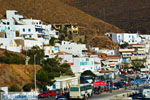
point(57, 33)
point(82, 88)
point(23, 30)
point(29, 30)
point(74, 89)
point(8, 28)
point(87, 59)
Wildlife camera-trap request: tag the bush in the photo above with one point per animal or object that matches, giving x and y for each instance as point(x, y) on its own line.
point(1, 91)
point(12, 58)
point(14, 88)
point(28, 87)
point(88, 73)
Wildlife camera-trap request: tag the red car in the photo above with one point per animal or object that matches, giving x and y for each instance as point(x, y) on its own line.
point(47, 94)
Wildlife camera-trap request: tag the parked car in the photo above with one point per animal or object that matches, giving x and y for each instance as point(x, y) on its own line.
point(47, 94)
point(61, 97)
point(119, 84)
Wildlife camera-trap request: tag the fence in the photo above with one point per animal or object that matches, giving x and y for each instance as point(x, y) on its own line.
point(19, 96)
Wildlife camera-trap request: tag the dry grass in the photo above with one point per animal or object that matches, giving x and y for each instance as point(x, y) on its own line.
point(55, 11)
point(11, 74)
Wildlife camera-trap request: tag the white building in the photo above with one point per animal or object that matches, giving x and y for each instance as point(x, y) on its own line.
point(81, 64)
point(107, 51)
point(73, 48)
point(121, 38)
point(143, 36)
point(16, 26)
point(9, 44)
point(64, 82)
point(50, 50)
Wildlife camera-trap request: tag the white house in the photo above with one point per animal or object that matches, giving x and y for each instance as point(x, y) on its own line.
point(107, 51)
point(9, 44)
point(50, 50)
point(81, 64)
point(121, 38)
point(64, 82)
point(73, 48)
point(17, 25)
point(145, 36)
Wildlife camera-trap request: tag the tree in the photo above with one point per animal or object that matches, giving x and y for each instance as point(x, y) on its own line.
point(65, 65)
point(52, 68)
point(52, 41)
point(1, 91)
point(102, 78)
point(138, 64)
point(14, 88)
point(37, 52)
point(126, 65)
point(27, 87)
point(12, 58)
point(44, 78)
point(88, 73)
point(124, 45)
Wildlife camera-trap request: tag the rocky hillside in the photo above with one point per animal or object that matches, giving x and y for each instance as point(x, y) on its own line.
point(129, 15)
point(12, 74)
point(55, 11)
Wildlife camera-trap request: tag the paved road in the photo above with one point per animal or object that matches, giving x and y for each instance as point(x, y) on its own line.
point(107, 96)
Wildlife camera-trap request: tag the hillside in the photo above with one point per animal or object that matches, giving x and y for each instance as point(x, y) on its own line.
point(55, 11)
point(12, 74)
point(129, 15)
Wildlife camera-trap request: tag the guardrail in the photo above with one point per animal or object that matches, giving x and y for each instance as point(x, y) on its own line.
point(19, 96)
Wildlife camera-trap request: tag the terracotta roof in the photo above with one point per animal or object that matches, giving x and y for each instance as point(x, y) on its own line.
point(96, 63)
point(126, 51)
point(29, 39)
point(62, 53)
point(112, 56)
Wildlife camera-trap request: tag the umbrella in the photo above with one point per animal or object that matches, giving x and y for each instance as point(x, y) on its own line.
point(97, 83)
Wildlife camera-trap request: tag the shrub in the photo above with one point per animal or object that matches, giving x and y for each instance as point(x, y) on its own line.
point(27, 87)
point(12, 58)
point(14, 88)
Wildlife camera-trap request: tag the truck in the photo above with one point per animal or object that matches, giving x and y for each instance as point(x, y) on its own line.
point(81, 91)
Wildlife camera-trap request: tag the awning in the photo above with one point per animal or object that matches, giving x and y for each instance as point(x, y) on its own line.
point(99, 83)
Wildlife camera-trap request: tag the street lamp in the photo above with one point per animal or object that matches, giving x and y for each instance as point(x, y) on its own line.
point(35, 71)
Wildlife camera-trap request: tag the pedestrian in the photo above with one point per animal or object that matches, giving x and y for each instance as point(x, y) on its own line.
point(86, 96)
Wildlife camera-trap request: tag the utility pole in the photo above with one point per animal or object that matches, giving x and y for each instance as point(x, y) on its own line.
point(35, 72)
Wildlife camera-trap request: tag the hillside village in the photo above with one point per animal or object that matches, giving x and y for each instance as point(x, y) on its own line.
point(18, 34)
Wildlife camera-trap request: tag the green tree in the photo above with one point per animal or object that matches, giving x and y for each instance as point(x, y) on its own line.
point(65, 65)
point(52, 41)
point(27, 87)
point(1, 91)
point(12, 58)
point(124, 45)
point(88, 73)
point(102, 78)
point(44, 78)
point(52, 68)
point(36, 52)
point(14, 88)
point(138, 64)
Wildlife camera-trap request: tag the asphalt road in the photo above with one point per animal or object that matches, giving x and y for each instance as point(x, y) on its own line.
point(107, 95)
